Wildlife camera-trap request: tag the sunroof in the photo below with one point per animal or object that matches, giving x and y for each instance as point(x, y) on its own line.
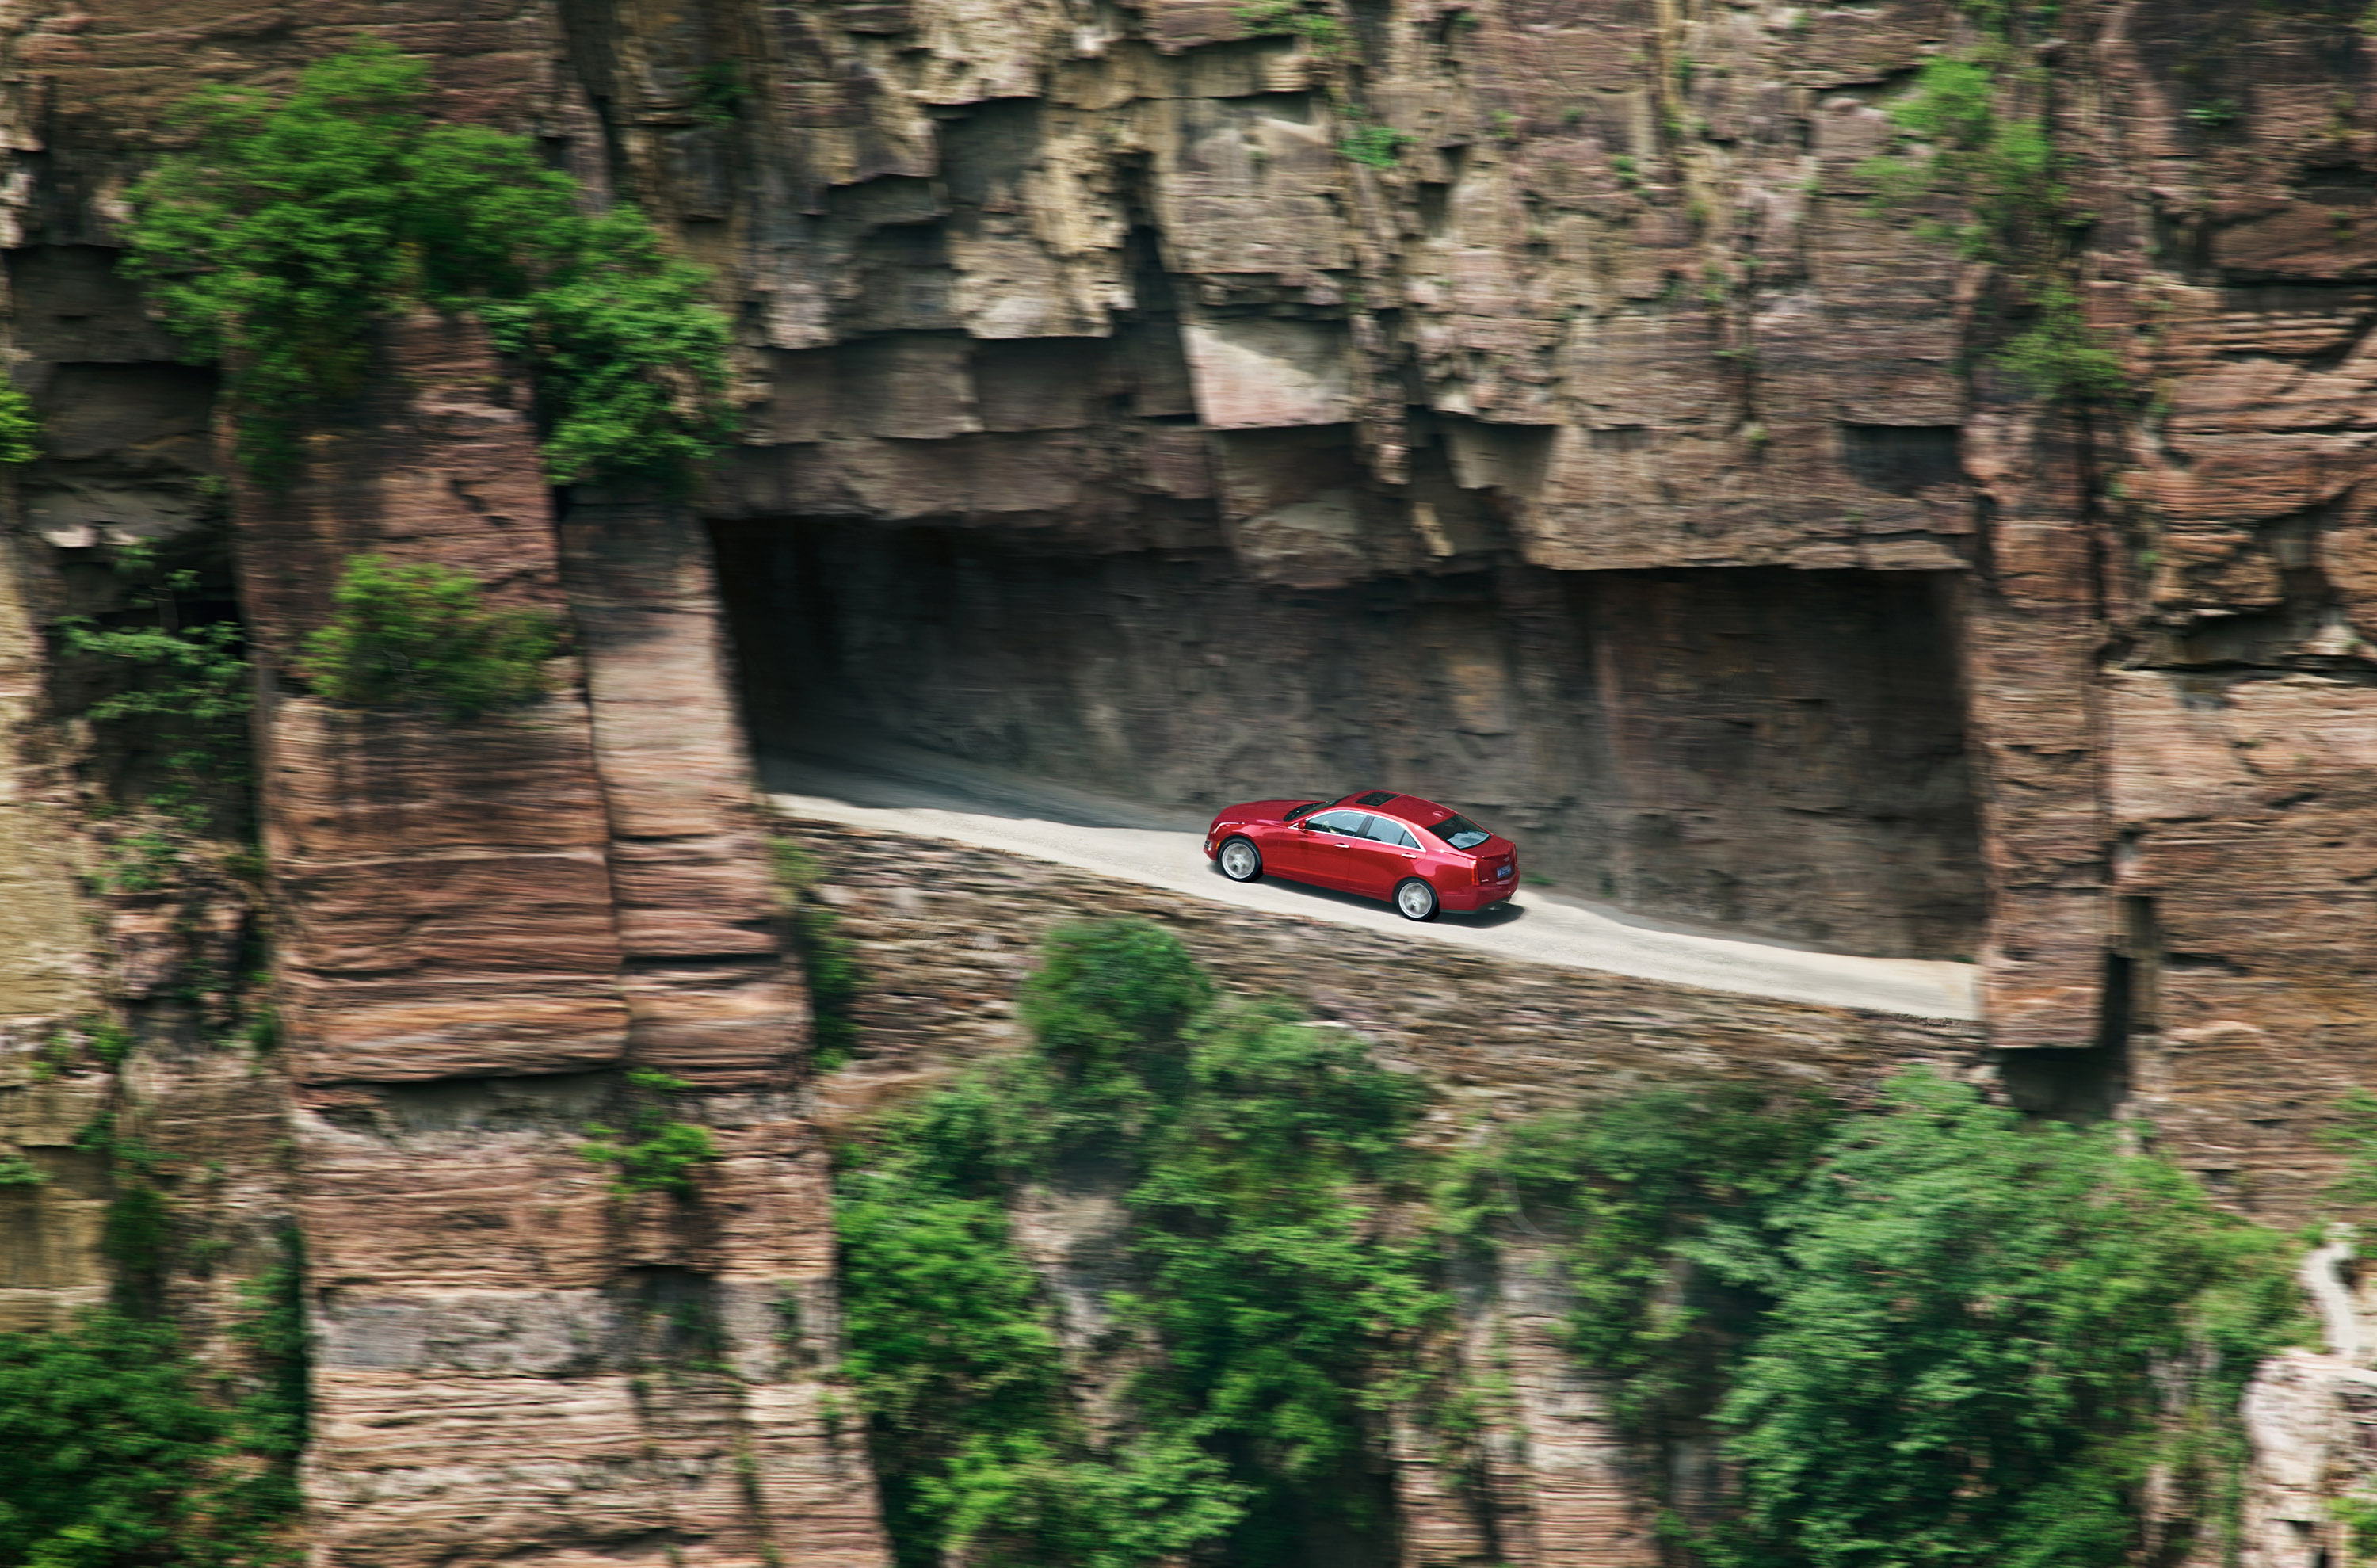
point(1376, 797)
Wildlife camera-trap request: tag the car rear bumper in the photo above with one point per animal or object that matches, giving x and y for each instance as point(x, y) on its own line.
point(1470, 900)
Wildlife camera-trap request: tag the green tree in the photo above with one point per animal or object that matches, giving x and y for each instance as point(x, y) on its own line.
point(294, 223)
point(1241, 1143)
point(1639, 1187)
point(1975, 1350)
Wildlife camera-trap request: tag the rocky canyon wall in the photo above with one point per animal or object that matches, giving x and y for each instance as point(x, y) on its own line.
point(1526, 404)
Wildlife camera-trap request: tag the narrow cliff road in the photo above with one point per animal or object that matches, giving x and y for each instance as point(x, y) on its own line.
point(904, 792)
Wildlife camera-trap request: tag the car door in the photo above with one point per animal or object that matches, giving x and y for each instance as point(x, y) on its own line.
point(1325, 848)
point(1379, 859)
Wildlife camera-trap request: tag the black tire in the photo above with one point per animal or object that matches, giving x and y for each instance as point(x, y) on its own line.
point(1407, 902)
point(1240, 868)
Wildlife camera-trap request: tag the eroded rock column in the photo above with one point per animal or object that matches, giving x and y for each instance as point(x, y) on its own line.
point(482, 924)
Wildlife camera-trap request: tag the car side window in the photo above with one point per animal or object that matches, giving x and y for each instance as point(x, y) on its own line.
point(1346, 822)
point(1395, 833)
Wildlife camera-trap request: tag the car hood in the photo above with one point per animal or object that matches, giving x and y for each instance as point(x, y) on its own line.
point(1260, 810)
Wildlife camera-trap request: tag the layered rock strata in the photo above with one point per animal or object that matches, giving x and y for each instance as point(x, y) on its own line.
point(1410, 326)
point(483, 923)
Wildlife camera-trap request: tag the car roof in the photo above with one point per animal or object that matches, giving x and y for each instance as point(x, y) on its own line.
point(1427, 813)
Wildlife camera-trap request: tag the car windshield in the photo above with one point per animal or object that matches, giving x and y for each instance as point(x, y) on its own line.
point(1460, 832)
point(1293, 812)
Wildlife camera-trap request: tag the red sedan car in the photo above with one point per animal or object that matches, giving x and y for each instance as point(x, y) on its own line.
point(1420, 856)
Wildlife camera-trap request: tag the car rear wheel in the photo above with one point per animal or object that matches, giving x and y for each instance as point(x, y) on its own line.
point(1415, 900)
point(1241, 861)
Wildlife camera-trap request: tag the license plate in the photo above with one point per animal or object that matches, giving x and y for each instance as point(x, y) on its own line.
point(1501, 872)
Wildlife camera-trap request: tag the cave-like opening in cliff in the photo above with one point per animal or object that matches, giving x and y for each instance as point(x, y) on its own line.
point(1770, 749)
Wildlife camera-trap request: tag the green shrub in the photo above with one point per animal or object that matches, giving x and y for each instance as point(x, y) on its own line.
point(829, 960)
point(1635, 1185)
point(186, 691)
point(1376, 146)
point(657, 1154)
point(2355, 1134)
point(1929, 1333)
point(295, 223)
point(1318, 28)
point(423, 636)
point(1935, 1333)
point(118, 1448)
point(1975, 127)
point(16, 1170)
point(274, 1414)
point(2058, 356)
point(20, 428)
point(134, 1239)
point(112, 1452)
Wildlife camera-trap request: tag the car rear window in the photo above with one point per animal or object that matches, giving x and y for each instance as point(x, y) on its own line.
point(1460, 831)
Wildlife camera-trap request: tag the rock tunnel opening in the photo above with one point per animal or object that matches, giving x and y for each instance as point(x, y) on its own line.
point(1767, 749)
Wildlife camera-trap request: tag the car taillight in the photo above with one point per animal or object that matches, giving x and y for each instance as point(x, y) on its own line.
point(1484, 872)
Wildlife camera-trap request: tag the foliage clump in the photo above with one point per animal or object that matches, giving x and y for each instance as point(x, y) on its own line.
point(1376, 146)
point(1925, 1331)
point(1977, 127)
point(182, 693)
point(657, 1153)
point(424, 636)
point(829, 959)
point(1248, 1152)
point(296, 223)
point(20, 427)
point(118, 1447)
point(1929, 1333)
point(1316, 26)
point(1633, 1186)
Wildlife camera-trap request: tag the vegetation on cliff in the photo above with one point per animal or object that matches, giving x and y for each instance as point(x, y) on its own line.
point(1929, 1333)
point(1253, 1158)
point(293, 223)
point(119, 1448)
point(829, 959)
point(1977, 127)
point(423, 636)
point(1925, 1331)
point(657, 1153)
point(20, 427)
point(175, 692)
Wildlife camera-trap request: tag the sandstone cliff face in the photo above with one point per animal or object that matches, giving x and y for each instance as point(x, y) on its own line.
point(1590, 452)
point(1119, 422)
point(482, 924)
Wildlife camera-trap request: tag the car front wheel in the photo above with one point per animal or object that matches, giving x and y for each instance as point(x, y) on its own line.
point(1415, 900)
point(1241, 862)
